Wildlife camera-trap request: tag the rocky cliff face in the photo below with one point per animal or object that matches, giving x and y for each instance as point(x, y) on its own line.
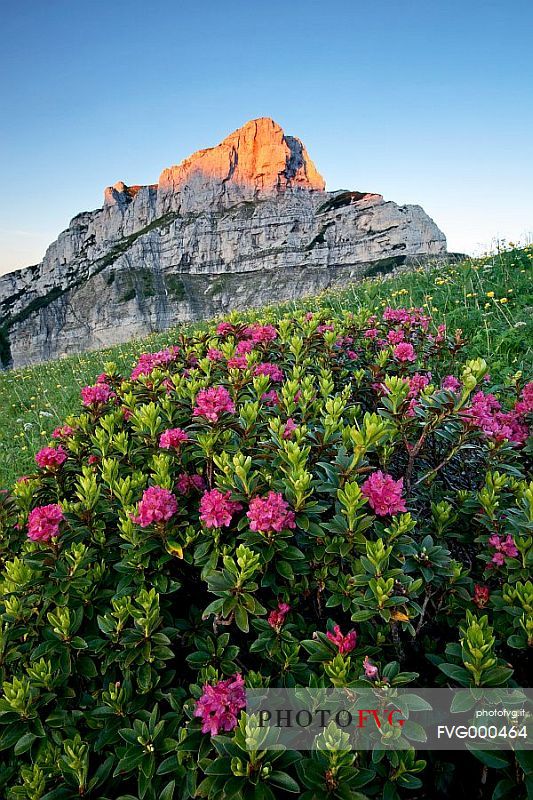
point(242, 224)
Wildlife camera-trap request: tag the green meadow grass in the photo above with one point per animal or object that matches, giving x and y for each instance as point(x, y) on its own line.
point(489, 299)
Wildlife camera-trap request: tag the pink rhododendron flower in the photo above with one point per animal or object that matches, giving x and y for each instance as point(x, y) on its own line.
point(96, 395)
point(345, 643)
point(371, 671)
point(93, 460)
point(352, 355)
point(276, 618)
point(288, 430)
point(451, 383)
point(215, 355)
point(150, 361)
point(50, 457)
point(326, 327)
point(244, 347)
point(384, 494)
point(404, 352)
point(485, 413)
point(270, 514)
point(272, 370)
point(237, 362)
point(371, 333)
point(396, 315)
point(441, 334)
point(418, 382)
point(270, 398)
point(212, 402)
point(173, 437)
point(217, 509)
point(43, 522)
point(505, 548)
point(219, 705)
point(63, 432)
point(525, 404)
point(261, 334)
point(481, 595)
point(225, 328)
point(396, 336)
point(411, 408)
point(187, 483)
point(157, 505)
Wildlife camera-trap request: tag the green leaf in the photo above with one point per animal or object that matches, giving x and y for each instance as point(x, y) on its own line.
point(285, 570)
point(24, 743)
point(241, 618)
point(456, 673)
point(283, 781)
point(168, 791)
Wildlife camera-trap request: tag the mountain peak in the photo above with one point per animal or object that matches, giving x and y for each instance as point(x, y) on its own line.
point(256, 159)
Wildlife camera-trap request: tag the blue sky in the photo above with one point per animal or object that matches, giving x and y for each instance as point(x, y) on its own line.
point(423, 102)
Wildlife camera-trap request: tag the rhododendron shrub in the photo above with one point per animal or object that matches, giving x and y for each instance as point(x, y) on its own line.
point(326, 501)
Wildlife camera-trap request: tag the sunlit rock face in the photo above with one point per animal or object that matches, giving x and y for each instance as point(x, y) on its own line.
point(238, 225)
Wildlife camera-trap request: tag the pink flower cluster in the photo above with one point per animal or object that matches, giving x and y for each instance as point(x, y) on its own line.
point(63, 432)
point(157, 505)
point(371, 333)
point(225, 328)
point(50, 457)
point(238, 362)
point(217, 509)
point(289, 428)
point(96, 395)
point(396, 336)
point(43, 522)
point(214, 354)
point(384, 493)
point(244, 347)
point(404, 352)
point(504, 547)
point(346, 643)
point(272, 370)
point(276, 618)
point(261, 334)
point(187, 483)
point(371, 671)
point(451, 383)
point(219, 705)
point(413, 317)
point(150, 361)
point(481, 595)
point(418, 382)
point(525, 404)
point(485, 413)
point(270, 398)
point(172, 437)
point(212, 402)
point(270, 514)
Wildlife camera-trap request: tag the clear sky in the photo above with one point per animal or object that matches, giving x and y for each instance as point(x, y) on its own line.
point(424, 102)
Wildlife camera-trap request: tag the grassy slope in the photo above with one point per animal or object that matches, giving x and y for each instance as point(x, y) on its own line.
point(498, 327)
